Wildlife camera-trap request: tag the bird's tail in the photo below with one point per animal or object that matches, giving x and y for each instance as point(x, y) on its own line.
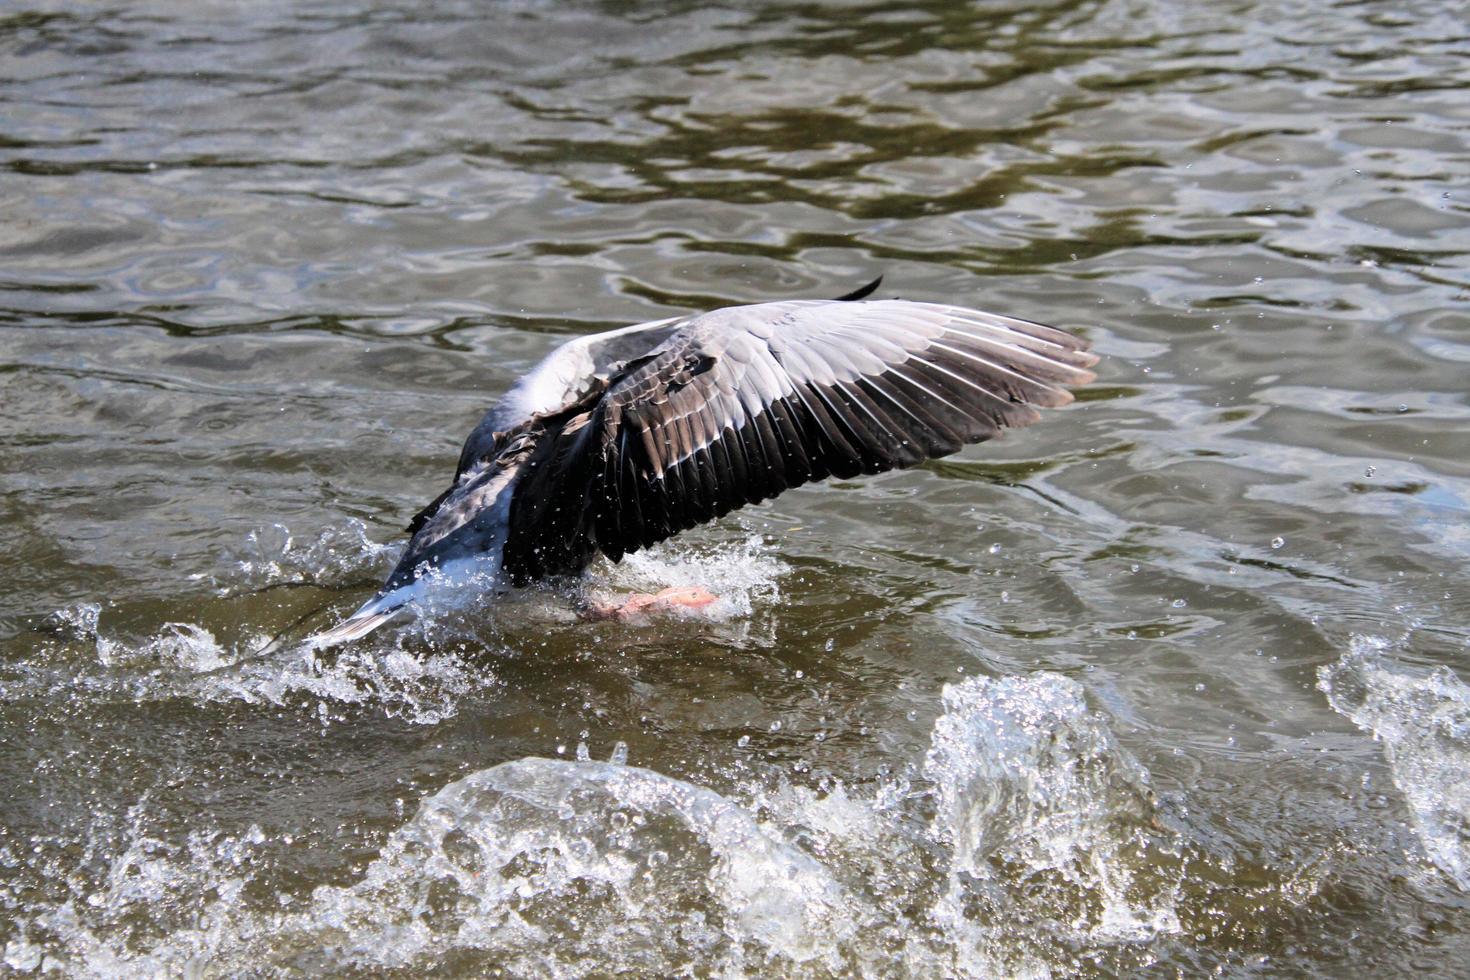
point(372, 614)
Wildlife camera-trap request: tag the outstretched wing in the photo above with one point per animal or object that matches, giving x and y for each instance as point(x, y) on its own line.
point(743, 403)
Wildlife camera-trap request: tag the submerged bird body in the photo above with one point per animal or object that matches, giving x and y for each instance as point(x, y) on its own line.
point(619, 440)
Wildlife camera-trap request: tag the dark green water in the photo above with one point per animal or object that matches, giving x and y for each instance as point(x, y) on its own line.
point(1175, 682)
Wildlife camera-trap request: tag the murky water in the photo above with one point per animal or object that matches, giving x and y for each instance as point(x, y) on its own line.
point(1176, 680)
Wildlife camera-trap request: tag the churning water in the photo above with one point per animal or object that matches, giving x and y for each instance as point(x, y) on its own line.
point(1174, 682)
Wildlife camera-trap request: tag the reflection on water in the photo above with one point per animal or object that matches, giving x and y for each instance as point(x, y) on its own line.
point(1175, 680)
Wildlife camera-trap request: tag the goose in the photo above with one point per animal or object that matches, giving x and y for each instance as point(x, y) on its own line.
point(618, 440)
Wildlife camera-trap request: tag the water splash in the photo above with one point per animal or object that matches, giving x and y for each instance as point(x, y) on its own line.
point(544, 867)
point(1026, 831)
point(592, 865)
point(1044, 815)
point(158, 907)
point(1019, 764)
point(1013, 841)
point(463, 604)
point(177, 647)
point(274, 555)
point(185, 660)
point(79, 621)
point(1423, 720)
point(422, 689)
point(741, 573)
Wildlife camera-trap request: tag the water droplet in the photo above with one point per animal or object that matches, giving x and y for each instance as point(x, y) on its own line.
point(582, 754)
point(1178, 603)
point(1277, 542)
point(619, 755)
point(994, 549)
point(743, 741)
point(776, 725)
point(1370, 471)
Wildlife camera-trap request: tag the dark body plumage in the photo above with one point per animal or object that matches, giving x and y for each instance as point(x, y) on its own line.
point(620, 440)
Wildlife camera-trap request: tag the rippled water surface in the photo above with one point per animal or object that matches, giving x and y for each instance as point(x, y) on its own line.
point(1176, 680)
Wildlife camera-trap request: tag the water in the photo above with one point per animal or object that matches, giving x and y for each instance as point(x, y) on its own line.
point(1175, 681)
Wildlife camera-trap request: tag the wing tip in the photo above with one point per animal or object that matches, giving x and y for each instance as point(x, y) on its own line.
point(1063, 396)
point(372, 614)
point(1083, 376)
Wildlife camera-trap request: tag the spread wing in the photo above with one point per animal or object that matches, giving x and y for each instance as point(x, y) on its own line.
point(740, 404)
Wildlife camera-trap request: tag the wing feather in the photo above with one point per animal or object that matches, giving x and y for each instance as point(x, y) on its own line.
point(735, 406)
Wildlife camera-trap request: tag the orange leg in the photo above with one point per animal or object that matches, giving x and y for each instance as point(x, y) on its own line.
point(685, 597)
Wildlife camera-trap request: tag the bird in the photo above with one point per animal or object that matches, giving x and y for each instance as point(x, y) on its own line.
point(618, 440)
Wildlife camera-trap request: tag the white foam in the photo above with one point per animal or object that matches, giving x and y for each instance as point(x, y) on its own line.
point(1422, 717)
